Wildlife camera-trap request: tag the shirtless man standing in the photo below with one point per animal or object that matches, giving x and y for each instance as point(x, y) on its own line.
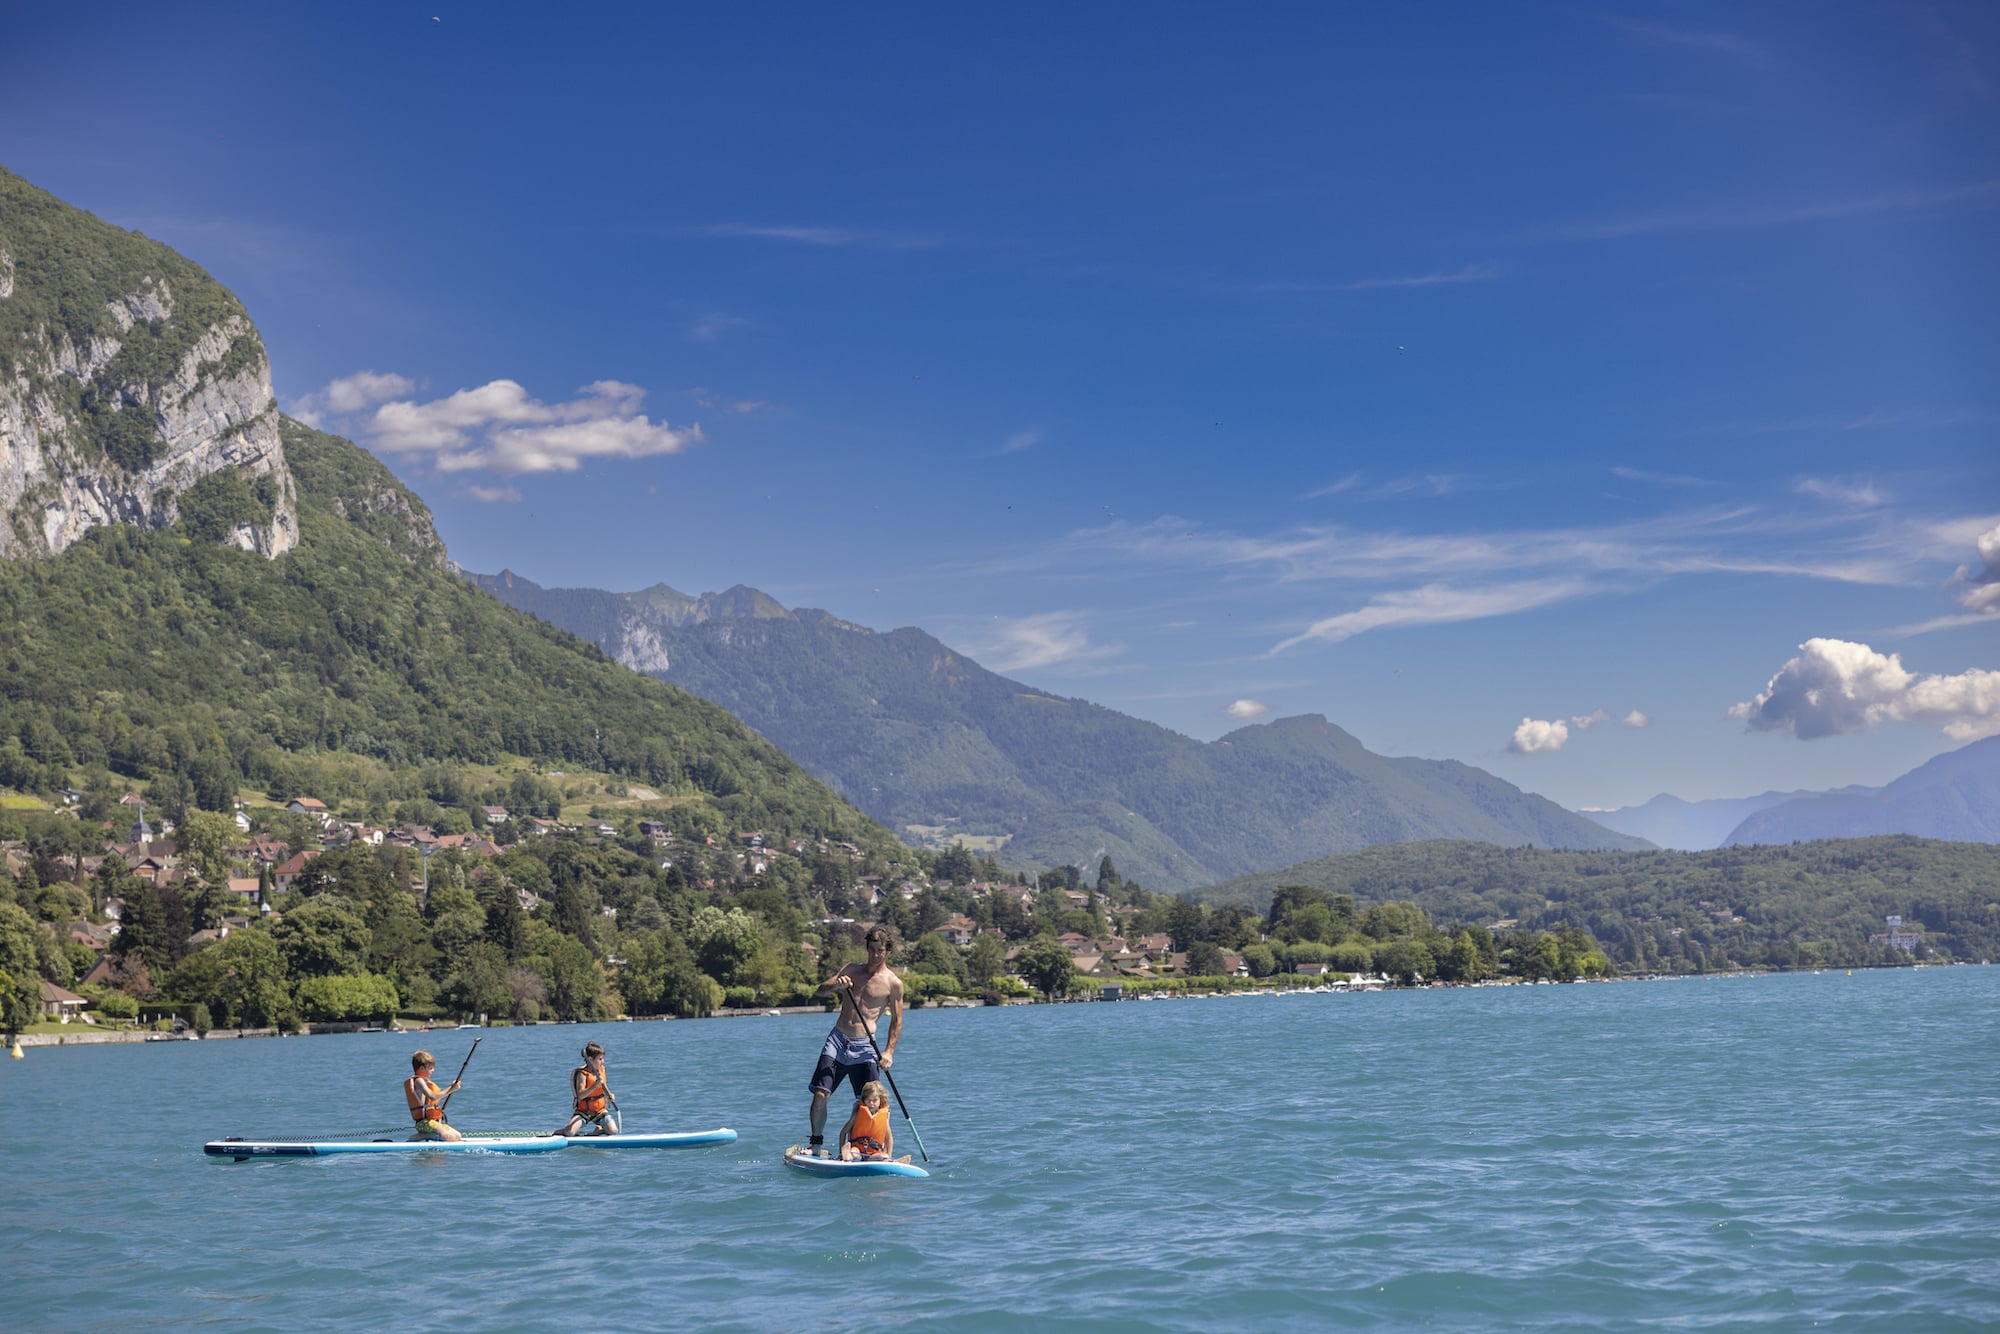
point(864, 989)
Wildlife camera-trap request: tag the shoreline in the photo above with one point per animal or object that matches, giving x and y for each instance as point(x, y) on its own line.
point(87, 1038)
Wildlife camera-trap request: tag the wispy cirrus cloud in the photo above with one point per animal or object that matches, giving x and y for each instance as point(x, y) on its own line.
point(1470, 273)
point(1840, 490)
point(1020, 440)
point(1713, 40)
point(1386, 579)
point(1902, 419)
point(1046, 639)
point(1435, 604)
point(499, 426)
point(1744, 216)
point(1662, 478)
point(709, 327)
point(823, 237)
point(493, 495)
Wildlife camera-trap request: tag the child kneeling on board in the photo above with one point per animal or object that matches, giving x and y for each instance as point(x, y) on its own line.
point(866, 1136)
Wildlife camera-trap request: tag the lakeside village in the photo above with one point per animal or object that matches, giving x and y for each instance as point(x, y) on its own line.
point(294, 919)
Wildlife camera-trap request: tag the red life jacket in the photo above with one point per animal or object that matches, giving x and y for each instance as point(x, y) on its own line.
point(422, 1095)
point(590, 1102)
point(869, 1131)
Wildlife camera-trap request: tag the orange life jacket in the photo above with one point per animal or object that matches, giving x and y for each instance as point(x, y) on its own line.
point(591, 1101)
point(869, 1131)
point(422, 1095)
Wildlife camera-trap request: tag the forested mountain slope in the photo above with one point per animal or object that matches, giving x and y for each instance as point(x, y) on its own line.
point(1810, 904)
point(160, 653)
point(934, 745)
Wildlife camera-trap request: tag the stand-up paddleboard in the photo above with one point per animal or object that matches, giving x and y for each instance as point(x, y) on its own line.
point(241, 1149)
point(796, 1156)
point(687, 1139)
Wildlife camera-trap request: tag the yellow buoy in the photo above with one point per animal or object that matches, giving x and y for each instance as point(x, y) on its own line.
point(17, 1053)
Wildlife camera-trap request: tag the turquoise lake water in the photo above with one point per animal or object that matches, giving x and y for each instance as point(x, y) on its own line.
point(1704, 1153)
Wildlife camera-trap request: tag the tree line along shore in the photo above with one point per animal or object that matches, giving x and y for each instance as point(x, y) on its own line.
point(308, 918)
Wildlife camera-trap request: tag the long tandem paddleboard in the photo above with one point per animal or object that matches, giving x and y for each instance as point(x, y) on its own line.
point(686, 1139)
point(796, 1156)
point(241, 1149)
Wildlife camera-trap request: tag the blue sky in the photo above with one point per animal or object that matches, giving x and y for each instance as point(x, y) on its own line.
point(1605, 396)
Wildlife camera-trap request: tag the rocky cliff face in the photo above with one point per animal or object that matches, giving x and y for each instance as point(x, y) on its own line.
point(126, 376)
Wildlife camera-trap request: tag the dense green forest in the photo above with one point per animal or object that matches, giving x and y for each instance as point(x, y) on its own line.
point(1803, 905)
point(583, 926)
point(195, 669)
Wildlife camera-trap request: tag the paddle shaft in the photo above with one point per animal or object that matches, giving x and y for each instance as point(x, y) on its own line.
point(846, 995)
point(461, 1072)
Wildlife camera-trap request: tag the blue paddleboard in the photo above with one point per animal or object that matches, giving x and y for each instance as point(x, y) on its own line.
point(241, 1149)
point(796, 1156)
point(687, 1139)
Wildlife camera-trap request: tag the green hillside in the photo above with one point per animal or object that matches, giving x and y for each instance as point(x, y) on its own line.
point(160, 655)
point(934, 745)
point(1809, 904)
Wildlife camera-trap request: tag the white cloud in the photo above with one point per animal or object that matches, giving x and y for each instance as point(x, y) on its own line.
point(1434, 604)
point(1347, 483)
point(1635, 719)
point(1982, 594)
point(1534, 735)
point(500, 427)
point(1470, 273)
point(714, 325)
point(352, 394)
point(1042, 640)
point(1839, 490)
point(816, 236)
point(493, 495)
point(1583, 722)
point(1247, 710)
point(1727, 43)
point(1021, 440)
point(1661, 478)
point(1836, 687)
point(1751, 217)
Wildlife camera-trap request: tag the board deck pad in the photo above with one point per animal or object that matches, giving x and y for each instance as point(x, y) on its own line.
point(796, 1156)
point(241, 1149)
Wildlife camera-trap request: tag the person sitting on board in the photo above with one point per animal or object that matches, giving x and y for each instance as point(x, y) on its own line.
point(591, 1096)
point(426, 1099)
point(866, 1137)
point(865, 990)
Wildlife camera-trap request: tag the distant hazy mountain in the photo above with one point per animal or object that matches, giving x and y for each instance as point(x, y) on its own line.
point(937, 747)
point(1692, 826)
point(1955, 796)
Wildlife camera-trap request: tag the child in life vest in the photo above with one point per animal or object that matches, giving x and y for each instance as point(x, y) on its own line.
point(591, 1096)
point(426, 1099)
point(866, 1134)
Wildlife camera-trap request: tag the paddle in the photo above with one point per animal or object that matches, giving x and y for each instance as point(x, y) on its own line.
point(460, 1075)
point(846, 995)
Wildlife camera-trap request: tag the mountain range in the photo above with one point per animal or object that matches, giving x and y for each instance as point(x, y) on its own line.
point(201, 595)
point(1953, 796)
point(940, 749)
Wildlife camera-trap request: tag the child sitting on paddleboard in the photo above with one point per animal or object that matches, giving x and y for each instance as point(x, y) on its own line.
point(426, 1099)
point(866, 1136)
point(591, 1096)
